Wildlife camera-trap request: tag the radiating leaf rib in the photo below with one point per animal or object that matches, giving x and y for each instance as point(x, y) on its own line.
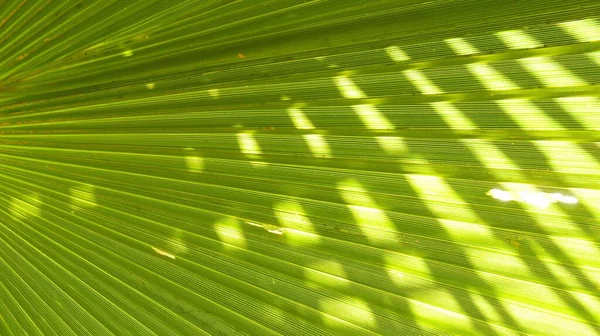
point(299, 167)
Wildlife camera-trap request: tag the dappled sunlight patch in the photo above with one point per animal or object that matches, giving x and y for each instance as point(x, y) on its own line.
point(393, 145)
point(372, 117)
point(29, 206)
point(215, 93)
point(317, 145)
point(150, 86)
point(127, 53)
point(493, 159)
point(176, 244)
point(396, 264)
point(485, 73)
point(396, 276)
point(421, 82)
point(461, 47)
point(348, 88)
point(353, 192)
point(299, 118)
point(366, 213)
point(353, 310)
point(230, 232)
point(517, 39)
point(453, 116)
point(467, 233)
point(396, 54)
point(327, 272)
point(259, 164)
point(302, 237)
point(587, 30)
point(291, 213)
point(585, 109)
point(435, 192)
point(431, 314)
point(547, 71)
point(83, 196)
point(567, 157)
point(550, 72)
point(590, 198)
point(490, 78)
point(374, 218)
point(527, 115)
point(594, 56)
point(248, 145)
point(193, 162)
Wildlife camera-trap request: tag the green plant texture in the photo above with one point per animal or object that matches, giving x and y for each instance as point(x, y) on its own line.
point(287, 167)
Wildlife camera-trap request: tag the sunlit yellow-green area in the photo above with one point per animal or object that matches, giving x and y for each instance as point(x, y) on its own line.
point(300, 167)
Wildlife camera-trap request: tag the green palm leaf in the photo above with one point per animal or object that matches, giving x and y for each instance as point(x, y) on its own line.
point(291, 167)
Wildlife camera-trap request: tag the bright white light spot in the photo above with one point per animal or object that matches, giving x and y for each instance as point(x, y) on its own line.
point(421, 82)
point(539, 199)
point(254, 223)
point(531, 196)
point(372, 117)
point(396, 54)
point(569, 200)
point(163, 253)
point(348, 88)
point(501, 195)
point(274, 229)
